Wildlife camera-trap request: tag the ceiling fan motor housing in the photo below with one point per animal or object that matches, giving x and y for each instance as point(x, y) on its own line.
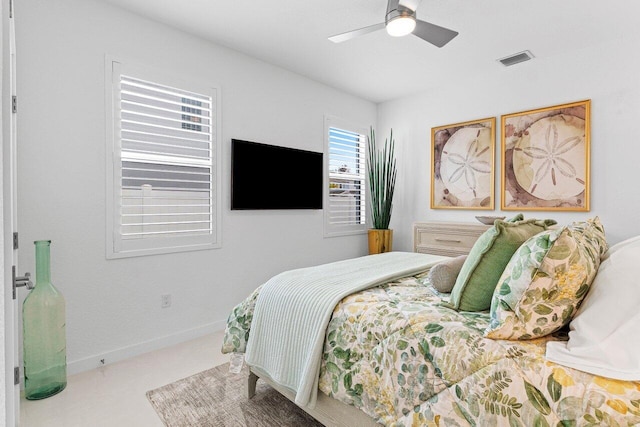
point(399, 12)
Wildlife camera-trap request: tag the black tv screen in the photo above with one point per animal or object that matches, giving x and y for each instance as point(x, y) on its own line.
point(270, 177)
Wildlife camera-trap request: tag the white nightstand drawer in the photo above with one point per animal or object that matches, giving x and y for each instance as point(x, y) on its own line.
point(446, 238)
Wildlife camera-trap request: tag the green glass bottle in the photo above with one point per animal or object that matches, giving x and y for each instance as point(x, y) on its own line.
point(43, 318)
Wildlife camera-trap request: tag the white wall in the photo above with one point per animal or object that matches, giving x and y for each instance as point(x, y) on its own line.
point(113, 306)
point(607, 74)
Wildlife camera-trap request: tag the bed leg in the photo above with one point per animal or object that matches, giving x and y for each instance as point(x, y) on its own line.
point(251, 385)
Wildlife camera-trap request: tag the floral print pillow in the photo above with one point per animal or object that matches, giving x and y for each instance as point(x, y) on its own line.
point(546, 280)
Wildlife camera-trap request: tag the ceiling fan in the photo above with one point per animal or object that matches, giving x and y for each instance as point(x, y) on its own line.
point(401, 20)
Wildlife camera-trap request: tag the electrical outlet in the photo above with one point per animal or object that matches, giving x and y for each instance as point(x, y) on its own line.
point(165, 301)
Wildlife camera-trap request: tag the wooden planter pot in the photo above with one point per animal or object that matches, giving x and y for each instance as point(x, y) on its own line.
point(380, 241)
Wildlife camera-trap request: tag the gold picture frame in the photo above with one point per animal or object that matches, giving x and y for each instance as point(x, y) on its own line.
point(546, 158)
point(463, 165)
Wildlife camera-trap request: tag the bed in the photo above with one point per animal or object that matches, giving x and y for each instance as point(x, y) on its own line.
point(395, 352)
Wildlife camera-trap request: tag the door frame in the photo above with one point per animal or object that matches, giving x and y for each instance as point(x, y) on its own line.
point(10, 413)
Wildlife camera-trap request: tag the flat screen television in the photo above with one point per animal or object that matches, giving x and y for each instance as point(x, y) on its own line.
point(270, 177)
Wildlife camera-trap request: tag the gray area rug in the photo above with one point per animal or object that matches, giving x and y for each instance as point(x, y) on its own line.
point(215, 397)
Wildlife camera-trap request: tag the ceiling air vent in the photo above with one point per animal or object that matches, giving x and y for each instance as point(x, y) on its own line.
point(516, 58)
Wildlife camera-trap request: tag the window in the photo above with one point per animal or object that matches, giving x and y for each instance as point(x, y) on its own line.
point(163, 141)
point(345, 193)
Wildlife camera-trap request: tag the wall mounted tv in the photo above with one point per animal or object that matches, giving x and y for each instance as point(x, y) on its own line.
point(270, 177)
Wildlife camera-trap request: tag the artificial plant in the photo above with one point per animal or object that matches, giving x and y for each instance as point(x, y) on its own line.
point(382, 180)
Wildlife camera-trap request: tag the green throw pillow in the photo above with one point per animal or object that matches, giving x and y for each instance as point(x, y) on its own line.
point(487, 260)
point(518, 217)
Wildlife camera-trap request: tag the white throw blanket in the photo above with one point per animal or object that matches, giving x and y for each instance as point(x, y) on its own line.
point(293, 310)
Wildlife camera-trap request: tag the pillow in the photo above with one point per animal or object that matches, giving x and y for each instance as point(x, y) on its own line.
point(518, 217)
point(487, 259)
point(593, 232)
point(603, 336)
point(546, 280)
point(443, 275)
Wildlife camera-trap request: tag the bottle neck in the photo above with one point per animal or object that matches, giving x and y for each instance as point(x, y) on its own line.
point(43, 261)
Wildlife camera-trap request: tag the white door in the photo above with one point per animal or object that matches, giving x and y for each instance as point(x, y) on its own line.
point(9, 223)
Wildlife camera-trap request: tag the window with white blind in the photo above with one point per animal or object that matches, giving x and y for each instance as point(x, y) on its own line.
point(345, 192)
point(164, 163)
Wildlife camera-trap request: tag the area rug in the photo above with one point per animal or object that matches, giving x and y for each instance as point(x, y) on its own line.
point(215, 397)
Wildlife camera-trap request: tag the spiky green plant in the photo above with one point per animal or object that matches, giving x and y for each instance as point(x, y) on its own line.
point(382, 180)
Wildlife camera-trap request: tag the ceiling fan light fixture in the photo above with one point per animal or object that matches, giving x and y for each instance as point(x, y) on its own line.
point(401, 26)
point(400, 20)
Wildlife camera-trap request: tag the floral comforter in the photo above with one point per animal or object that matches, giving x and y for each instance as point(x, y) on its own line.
point(396, 353)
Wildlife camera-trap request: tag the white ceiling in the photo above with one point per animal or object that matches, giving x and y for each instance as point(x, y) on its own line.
point(293, 34)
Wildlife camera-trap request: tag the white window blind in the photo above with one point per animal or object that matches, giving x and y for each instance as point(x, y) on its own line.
point(164, 166)
point(346, 207)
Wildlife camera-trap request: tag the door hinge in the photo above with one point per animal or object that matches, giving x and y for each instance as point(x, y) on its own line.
point(16, 375)
point(15, 240)
point(14, 104)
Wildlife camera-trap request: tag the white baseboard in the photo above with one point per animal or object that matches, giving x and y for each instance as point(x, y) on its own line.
point(92, 362)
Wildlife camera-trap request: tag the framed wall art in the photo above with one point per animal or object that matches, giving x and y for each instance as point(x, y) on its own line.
point(462, 165)
point(545, 158)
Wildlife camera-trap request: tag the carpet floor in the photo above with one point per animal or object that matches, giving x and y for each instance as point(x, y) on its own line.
point(215, 397)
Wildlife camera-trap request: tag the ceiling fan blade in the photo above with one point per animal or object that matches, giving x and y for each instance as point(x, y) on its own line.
point(410, 4)
point(339, 38)
point(434, 34)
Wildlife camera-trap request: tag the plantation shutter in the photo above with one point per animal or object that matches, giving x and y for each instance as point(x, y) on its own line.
point(164, 166)
point(347, 181)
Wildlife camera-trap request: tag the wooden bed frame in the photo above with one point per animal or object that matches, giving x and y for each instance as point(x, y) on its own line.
point(329, 411)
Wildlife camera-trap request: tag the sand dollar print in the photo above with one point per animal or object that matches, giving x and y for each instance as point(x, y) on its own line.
point(465, 165)
point(553, 167)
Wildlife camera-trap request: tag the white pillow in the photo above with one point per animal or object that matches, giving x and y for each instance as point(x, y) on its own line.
point(604, 338)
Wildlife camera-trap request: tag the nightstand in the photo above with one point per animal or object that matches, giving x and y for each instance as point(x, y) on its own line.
point(446, 238)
